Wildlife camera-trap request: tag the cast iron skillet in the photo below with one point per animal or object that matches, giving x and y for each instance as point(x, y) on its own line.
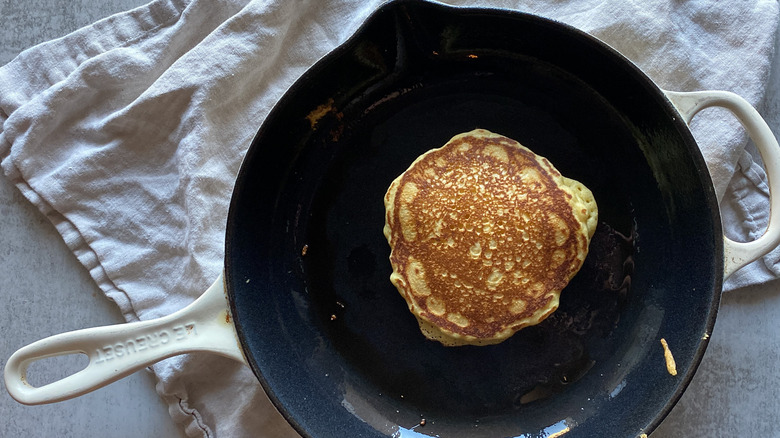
point(306, 264)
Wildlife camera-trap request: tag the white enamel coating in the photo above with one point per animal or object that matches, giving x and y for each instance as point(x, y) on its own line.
point(206, 325)
point(739, 254)
point(119, 350)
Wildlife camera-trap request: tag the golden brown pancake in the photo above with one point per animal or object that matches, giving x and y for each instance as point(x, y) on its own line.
point(484, 235)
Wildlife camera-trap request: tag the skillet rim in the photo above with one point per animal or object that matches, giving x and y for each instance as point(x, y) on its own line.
point(660, 99)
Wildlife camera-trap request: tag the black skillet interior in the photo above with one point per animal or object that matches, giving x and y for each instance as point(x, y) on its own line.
point(307, 264)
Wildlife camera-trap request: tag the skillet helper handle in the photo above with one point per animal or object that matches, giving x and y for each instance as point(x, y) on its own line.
point(739, 254)
point(119, 350)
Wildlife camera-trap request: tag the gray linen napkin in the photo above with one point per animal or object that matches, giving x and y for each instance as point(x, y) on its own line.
point(128, 135)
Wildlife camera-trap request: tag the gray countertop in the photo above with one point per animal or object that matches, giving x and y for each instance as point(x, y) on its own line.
point(736, 391)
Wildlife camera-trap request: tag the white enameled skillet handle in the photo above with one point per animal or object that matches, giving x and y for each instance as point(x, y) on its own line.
point(739, 254)
point(119, 350)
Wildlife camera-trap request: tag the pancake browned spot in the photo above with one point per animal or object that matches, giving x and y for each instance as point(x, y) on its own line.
point(484, 235)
